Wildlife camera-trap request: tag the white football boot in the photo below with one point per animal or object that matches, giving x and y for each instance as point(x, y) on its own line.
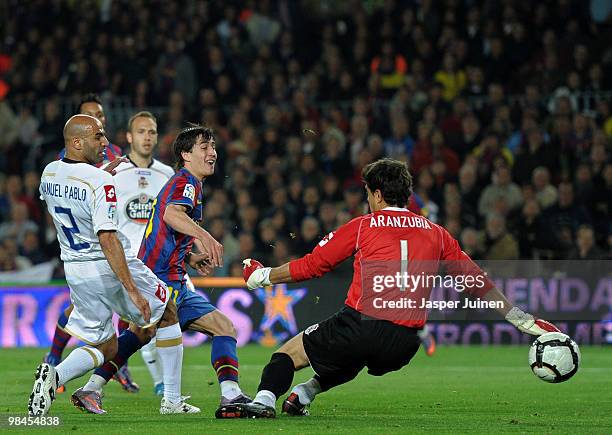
point(181, 407)
point(43, 392)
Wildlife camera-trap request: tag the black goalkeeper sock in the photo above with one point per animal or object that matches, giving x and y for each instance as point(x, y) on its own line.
point(328, 382)
point(277, 375)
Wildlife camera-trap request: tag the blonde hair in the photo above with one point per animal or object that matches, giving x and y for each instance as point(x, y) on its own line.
point(142, 114)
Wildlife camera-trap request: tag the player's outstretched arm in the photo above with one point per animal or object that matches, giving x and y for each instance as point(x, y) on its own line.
point(176, 217)
point(329, 252)
point(524, 322)
point(458, 262)
point(113, 250)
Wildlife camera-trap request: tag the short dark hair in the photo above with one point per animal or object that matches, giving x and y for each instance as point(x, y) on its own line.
point(186, 139)
point(89, 98)
point(392, 178)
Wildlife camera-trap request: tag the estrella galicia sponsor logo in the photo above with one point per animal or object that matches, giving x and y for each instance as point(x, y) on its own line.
point(139, 209)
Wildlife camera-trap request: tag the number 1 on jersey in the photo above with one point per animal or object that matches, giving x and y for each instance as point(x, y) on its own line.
point(403, 263)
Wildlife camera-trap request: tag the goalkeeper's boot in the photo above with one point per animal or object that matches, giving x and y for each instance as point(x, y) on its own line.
point(252, 410)
point(124, 377)
point(89, 401)
point(54, 361)
point(227, 408)
point(181, 407)
point(429, 344)
point(293, 407)
point(43, 392)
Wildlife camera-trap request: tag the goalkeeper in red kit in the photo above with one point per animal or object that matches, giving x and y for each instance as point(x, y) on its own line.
point(367, 331)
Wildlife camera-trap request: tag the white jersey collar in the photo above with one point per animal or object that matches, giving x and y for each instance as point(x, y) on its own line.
point(394, 209)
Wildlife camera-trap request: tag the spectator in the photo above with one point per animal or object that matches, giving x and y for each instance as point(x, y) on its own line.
point(499, 244)
point(400, 143)
point(389, 68)
point(281, 251)
point(19, 224)
point(9, 127)
point(327, 217)
point(501, 190)
point(563, 219)
point(488, 153)
point(471, 243)
point(546, 193)
point(585, 248)
point(175, 71)
point(9, 251)
point(469, 192)
point(530, 230)
point(451, 78)
point(530, 155)
point(30, 248)
point(436, 150)
point(218, 230)
point(266, 240)
point(310, 235)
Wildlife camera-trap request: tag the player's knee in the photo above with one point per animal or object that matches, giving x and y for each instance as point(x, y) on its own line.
point(169, 317)
point(151, 331)
point(294, 349)
point(227, 327)
point(144, 334)
point(109, 349)
point(222, 325)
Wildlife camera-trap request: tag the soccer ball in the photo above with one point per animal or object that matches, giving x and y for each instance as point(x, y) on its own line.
point(554, 357)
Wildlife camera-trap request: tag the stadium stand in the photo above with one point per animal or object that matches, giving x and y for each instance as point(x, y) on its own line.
point(502, 109)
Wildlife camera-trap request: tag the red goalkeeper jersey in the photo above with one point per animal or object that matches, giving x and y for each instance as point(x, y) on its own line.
point(386, 242)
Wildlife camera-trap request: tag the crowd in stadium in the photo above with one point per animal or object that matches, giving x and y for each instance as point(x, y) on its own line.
point(502, 110)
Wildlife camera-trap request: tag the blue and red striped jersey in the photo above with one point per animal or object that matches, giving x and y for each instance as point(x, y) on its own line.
point(111, 152)
point(162, 248)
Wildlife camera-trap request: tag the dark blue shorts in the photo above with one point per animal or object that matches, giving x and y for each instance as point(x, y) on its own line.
point(190, 305)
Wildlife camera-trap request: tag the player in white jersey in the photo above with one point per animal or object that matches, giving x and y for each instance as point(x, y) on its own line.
point(91, 105)
point(82, 201)
point(139, 180)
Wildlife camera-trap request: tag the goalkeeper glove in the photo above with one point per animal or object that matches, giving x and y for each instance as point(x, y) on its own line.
point(255, 274)
point(525, 322)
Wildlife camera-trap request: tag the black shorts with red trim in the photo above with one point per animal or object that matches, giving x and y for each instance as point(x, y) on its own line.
point(348, 341)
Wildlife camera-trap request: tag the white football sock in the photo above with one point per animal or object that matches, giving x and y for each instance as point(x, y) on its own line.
point(152, 361)
point(170, 350)
point(230, 389)
point(307, 391)
point(95, 383)
point(265, 397)
point(423, 333)
point(80, 361)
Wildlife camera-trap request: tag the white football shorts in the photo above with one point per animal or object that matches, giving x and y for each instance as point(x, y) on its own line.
point(95, 292)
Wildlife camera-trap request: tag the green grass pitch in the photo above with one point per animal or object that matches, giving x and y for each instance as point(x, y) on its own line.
point(461, 389)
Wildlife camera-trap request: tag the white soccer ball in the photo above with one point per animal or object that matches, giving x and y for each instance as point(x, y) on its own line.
point(554, 357)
